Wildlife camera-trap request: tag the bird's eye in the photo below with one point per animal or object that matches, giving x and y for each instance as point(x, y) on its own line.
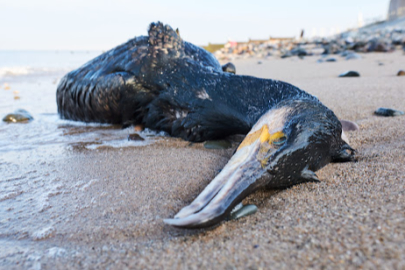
point(280, 141)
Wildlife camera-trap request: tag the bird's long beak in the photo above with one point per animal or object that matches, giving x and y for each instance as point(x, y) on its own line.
point(243, 174)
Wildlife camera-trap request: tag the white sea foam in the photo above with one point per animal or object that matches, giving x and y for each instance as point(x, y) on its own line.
point(148, 135)
point(56, 252)
point(10, 195)
point(118, 144)
point(26, 70)
point(85, 186)
point(43, 233)
point(14, 71)
point(32, 63)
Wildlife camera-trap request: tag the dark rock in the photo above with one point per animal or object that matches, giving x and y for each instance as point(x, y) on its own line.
point(397, 41)
point(259, 62)
point(332, 48)
point(220, 144)
point(359, 46)
point(350, 73)
point(135, 137)
point(286, 55)
point(379, 45)
point(229, 67)
point(299, 52)
point(401, 73)
point(19, 116)
point(349, 41)
point(388, 112)
point(331, 59)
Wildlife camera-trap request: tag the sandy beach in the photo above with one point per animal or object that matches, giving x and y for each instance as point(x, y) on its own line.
point(72, 207)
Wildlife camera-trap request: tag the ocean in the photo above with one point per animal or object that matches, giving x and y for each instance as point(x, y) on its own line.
point(41, 63)
point(28, 80)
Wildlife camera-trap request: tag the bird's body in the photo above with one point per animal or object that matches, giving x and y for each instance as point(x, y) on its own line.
point(175, 87)
point(166, 84)
point(117, 86)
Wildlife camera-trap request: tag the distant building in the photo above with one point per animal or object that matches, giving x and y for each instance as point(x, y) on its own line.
point(396, 10)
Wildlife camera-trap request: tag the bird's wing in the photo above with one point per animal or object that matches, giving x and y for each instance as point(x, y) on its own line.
point(116, 86)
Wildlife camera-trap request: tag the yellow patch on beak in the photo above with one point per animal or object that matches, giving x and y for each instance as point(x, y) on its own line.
point(276, 136)
point(264, 136)
point(251, 138)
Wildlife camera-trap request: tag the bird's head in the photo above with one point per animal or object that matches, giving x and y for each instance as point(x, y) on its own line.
point(285, 147)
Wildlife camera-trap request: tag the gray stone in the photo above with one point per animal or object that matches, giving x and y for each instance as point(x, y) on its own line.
point(19, 116)
point(350, 73)
point(388, 112)
point(135, 137)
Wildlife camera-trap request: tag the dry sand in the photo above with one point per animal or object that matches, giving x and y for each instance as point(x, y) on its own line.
point(105, 207)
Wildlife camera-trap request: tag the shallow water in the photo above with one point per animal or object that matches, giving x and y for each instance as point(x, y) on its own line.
point(34, 63)
point(28, 80)
point(29, 152)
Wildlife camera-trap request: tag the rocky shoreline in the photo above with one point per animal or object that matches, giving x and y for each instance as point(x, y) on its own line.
point(379, 37)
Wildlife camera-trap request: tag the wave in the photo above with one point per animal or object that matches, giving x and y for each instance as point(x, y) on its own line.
point(26, 71)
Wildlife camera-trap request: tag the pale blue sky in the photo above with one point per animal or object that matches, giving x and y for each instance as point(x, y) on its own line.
point(101, 24)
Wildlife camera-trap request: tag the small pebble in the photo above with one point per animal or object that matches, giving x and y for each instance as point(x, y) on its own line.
point(401, 73)
point(350, 74)
point(221, 144)
point(19, 116)
point(135, 137)
point(388, 112)
point(244, 211)
point(6, 86)
point(331, 59)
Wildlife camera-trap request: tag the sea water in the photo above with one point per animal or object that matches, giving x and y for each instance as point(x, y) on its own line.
point(28, 80)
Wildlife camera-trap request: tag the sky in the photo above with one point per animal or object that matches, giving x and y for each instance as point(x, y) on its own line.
point(102, 24)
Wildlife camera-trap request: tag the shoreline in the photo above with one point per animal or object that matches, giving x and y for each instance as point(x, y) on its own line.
point(70, 208)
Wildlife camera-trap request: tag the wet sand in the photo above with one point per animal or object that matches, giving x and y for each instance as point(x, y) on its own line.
point(104, 208)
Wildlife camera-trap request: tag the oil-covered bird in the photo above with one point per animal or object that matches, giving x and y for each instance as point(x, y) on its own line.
point(165, 83)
